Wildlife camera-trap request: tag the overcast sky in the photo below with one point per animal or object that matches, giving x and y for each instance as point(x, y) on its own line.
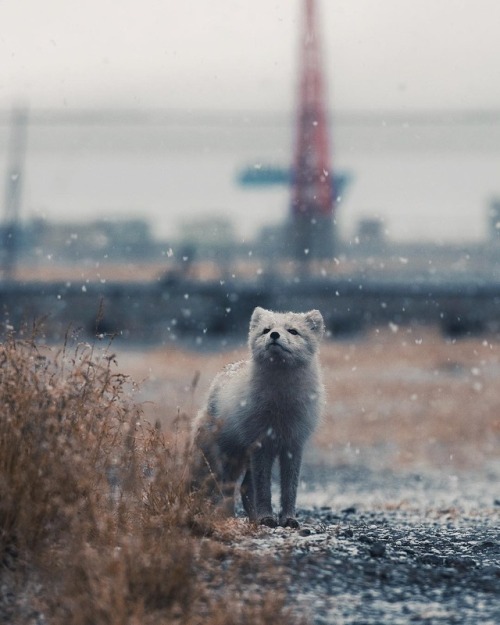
point(242, 54)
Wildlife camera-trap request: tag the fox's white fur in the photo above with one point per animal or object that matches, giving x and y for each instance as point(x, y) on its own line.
point(261, 409)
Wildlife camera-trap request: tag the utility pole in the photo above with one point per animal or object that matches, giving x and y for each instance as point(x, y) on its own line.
point(13, 189)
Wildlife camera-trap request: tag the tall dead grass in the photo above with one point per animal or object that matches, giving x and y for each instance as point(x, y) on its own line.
point(94, 513)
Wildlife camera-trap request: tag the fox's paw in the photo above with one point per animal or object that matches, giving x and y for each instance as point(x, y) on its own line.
point(289, 522)
point(268, 521)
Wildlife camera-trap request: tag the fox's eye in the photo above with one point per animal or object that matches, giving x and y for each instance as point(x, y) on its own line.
point(266, 330)
point(293, 331)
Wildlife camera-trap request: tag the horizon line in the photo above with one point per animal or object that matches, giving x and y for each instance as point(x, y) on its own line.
point(52, 116)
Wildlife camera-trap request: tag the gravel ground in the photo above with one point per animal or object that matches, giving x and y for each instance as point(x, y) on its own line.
point(391, 548)
point(400, 497)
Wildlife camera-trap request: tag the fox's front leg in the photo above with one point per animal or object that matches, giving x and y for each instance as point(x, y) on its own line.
point(290, 461)
point(261, 463)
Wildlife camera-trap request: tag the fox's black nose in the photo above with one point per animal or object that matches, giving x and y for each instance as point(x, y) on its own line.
point(274, 335)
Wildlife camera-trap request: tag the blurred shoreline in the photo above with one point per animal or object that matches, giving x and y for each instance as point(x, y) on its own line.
point(427, 175)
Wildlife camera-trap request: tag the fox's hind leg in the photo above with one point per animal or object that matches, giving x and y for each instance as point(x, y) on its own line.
point(248, 495)
point(231, 472)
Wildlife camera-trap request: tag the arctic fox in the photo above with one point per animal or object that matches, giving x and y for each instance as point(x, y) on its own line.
point(259, 410)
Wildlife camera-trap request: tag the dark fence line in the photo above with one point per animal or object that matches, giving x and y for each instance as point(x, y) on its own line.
point(164, 311)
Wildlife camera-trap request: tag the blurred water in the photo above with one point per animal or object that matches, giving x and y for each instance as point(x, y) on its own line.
point(426, 180)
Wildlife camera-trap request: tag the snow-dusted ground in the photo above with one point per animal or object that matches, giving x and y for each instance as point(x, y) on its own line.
point(373, 488)
point(378, 547)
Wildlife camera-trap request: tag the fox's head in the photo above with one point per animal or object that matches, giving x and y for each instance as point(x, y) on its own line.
point(285, 339)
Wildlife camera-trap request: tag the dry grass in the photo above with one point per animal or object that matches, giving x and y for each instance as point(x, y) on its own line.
point(414, 398)
point(96, 525)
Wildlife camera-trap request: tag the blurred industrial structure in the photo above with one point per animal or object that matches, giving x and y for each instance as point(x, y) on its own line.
point(494, 221)
point(313, 193)
point(208, 280)
point(314, 186)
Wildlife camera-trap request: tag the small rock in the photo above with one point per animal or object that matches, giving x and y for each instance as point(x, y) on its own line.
point(461, 563)
point(491, 571)
point(363, 538)
point(305, 532)
point(489, 544)
point(349, 510)
point(377, 549)
point(431, 558)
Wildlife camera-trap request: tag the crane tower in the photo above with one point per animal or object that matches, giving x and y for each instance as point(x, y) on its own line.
point(312, 185)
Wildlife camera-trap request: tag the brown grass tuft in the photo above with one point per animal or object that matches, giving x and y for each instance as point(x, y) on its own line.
point(96, 524)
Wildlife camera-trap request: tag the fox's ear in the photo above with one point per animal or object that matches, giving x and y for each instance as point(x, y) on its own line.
point(256, 316)
point(315, 321)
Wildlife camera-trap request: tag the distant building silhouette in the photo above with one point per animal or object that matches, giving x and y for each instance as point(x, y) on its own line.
point(494, 220)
